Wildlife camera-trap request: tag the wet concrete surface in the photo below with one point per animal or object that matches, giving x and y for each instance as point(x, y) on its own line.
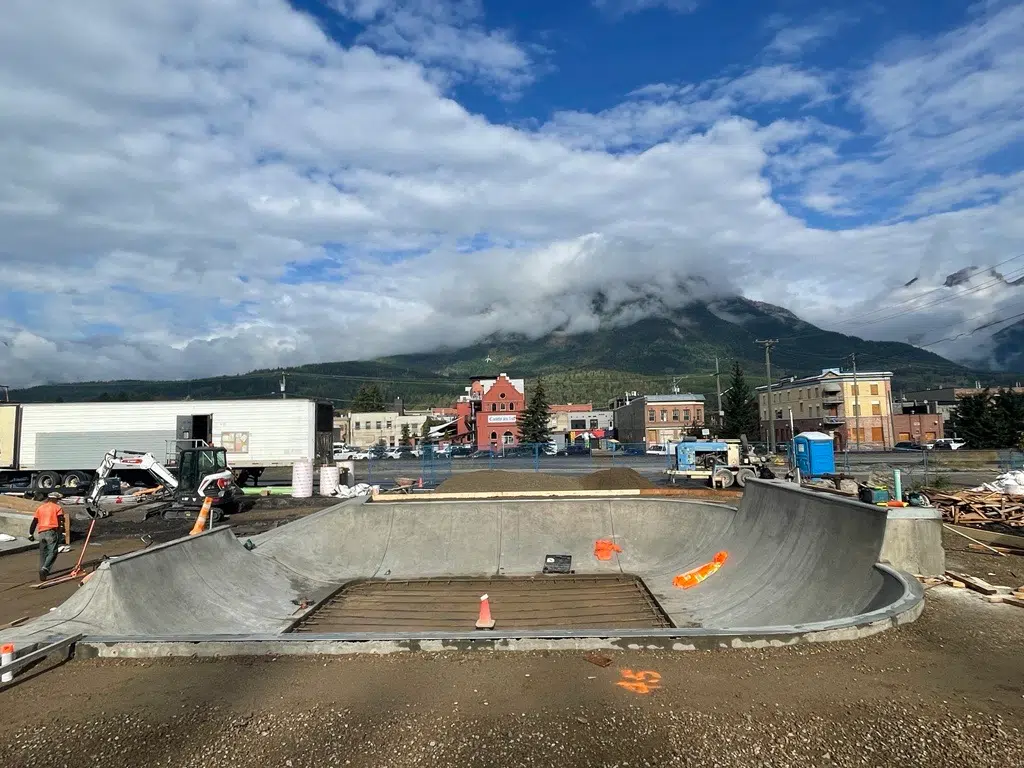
point(946, 690)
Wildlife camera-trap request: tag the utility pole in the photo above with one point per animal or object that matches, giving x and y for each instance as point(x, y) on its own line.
point(284, 394)
point(718, 391)
point(856, 402)
point(768, 344)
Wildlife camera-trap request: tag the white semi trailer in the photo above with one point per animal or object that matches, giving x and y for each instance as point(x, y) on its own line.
point(54, 445)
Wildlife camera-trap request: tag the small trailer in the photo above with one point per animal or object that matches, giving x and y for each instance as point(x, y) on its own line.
point(722, 463)
point(45, 446)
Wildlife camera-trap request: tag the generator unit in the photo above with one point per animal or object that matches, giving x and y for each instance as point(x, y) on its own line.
point(721, 462)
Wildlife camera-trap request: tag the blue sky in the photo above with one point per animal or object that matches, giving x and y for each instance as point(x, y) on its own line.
point(208, 188)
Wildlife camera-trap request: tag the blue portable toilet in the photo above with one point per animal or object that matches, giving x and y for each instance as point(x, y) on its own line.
point(814, 454)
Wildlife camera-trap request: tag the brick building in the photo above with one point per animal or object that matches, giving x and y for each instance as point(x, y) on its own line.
point(488, 414)
point(654, 419)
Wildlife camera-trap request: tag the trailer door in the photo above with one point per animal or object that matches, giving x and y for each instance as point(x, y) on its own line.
point(9, 436)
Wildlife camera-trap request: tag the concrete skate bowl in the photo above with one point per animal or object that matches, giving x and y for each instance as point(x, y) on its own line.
point(801, 566)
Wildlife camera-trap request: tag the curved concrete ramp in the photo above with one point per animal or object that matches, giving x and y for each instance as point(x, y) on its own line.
point(798, 563)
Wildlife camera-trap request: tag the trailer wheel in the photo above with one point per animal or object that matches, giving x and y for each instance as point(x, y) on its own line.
point(75, 479)
point(743, 475)
point(722, 477)
point(47, 481)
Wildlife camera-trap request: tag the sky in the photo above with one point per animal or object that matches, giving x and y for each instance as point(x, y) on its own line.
point(212, 186)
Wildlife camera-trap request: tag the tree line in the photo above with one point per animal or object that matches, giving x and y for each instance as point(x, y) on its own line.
point(990, 420)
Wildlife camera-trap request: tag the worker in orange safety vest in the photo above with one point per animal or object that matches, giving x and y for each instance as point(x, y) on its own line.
point(48, 520)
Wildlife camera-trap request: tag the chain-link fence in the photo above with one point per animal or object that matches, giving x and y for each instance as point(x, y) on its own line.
point(432, 465)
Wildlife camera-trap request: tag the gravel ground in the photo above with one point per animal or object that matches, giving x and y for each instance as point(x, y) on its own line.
point(947, 690)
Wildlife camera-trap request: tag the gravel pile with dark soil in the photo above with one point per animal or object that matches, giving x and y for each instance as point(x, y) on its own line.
point(618, 479)
point(499, 481)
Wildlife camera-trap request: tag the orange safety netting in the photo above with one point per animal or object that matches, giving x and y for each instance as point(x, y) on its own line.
point(603, 549)
point(694, 577)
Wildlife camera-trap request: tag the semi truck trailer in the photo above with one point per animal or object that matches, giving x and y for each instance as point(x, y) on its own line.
point(46, 446)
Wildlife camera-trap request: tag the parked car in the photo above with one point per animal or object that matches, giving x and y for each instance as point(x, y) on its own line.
point(360, 455)
point(574, 450)
point(346, 454)
point(482, 454)
point(908, 445)
point(657, 449)
point(948, 444)
point(518, 452)
point(461, 451)
point(401, 453)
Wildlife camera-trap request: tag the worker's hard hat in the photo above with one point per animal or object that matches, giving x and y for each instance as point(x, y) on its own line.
point(55, 496)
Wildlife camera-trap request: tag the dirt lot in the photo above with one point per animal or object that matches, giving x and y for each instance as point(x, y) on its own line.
point(497, 480)
point(945, 691)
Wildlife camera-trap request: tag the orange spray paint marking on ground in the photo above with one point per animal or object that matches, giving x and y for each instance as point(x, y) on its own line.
point(695, 576)
point(642, 682)
point(603, 549)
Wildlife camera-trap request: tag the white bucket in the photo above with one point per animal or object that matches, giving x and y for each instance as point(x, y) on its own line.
point(302, 479)
point(329, 477)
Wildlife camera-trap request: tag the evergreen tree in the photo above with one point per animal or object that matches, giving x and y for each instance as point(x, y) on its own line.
point(988, 420)
point(406, 438)
point(533, 422)
point(740, 406)
point(369, 399)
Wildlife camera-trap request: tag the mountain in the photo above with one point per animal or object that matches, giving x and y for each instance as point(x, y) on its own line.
point(668, 345)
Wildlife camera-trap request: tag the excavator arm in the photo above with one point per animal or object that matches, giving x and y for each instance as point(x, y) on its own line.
point(118, 459)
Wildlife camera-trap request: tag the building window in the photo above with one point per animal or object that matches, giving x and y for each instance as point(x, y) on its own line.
point(503, 406)
point(855, 389)
point(815, 391)
point(593, 423)
point(874, 389)
point(801, 407)
point(675, 414)
point(575, 424)
point(494, 406)
point(511, 406)
point(686, 414)
point(856, 410)
point(378, 425)
point(357, 425)
point(664, 415)
point(389, 425)
point(876, 408)
point(501, 395)
point(650, 414)
point(764, 414)
point(494, 436)
point(508, 438)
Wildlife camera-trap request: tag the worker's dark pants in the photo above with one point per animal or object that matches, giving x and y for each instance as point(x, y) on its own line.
point(49, 541)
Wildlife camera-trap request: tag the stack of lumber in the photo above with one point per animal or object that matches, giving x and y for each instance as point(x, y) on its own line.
point(991, 593)
point(978, 507)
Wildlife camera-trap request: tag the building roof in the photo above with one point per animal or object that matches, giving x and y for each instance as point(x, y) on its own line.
point(683, 397)
point(829, 374)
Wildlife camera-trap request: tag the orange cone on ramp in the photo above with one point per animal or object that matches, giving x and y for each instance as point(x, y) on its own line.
point(204, 515)
point(7, 658)
point(485, 621)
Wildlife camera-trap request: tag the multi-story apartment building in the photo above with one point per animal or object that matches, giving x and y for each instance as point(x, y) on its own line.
point(854, 408)
point(653, 419)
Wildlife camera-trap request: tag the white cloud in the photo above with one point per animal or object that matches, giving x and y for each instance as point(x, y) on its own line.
point(791, 40)
point(617, 8)
point(199, 188)
point(444, 33)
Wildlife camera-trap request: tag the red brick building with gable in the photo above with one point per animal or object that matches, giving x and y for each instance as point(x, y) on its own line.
point(497, 421)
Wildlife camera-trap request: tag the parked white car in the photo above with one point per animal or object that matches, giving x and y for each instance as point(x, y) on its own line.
point(658, 449)
point(949, 443)
point(346, 454)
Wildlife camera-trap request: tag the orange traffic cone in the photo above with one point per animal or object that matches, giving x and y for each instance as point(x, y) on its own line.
point(485, 621)
point(421, 482)
point(204, 515)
